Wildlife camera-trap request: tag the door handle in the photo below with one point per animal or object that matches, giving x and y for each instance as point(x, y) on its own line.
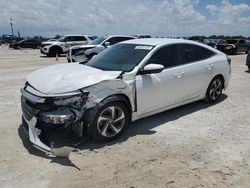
point(209, 67)
point(179, 74)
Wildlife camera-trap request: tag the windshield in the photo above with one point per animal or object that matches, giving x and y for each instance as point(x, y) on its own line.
point(120, 57)
point(62, 39)
point(98, 40)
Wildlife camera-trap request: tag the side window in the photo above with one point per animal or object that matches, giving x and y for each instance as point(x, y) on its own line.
point(112, 40)
point(67, 39)
point(80, 38)
point(71, 38)
point(191, 53)
point(167, 56)
point(115, 40)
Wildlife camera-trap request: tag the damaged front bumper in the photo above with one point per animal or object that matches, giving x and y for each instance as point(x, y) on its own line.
point(33, 132)
point(44, 123)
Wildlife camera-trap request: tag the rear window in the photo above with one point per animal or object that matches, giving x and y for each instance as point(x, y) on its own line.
point(191, 53)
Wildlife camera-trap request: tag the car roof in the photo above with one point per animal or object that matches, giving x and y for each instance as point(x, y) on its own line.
point(108, 36)
point(74, 35)
point(158, 41)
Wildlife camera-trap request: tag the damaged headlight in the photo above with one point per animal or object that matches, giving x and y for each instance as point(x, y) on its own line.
point(60, 116)
point(75, 102)
point(68, 109)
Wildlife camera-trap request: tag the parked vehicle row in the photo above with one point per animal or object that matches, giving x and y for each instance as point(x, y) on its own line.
point(233, 46)
point(83, 53)
point(126, 82)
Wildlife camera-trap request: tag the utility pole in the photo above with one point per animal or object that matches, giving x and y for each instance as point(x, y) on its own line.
point(11, 25)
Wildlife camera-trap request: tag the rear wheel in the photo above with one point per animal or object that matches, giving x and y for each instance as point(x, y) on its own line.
point(214, 90)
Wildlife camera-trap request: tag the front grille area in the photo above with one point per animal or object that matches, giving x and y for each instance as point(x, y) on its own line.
point(28, 110)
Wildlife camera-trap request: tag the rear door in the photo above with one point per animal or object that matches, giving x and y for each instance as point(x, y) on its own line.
point(197, 68)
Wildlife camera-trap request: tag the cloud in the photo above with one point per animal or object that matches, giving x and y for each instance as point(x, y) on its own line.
point(181, 12)
point(212, 9)
point(155, 17)
point(229, 14)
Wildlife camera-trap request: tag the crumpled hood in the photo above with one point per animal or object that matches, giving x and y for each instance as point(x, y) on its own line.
point(63, 78)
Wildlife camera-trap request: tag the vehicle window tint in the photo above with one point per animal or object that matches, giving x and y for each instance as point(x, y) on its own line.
point(80, 38)
point(191, 53)
point(68, 39)
point(121, 57)
point(167, 56)
point(115, 40)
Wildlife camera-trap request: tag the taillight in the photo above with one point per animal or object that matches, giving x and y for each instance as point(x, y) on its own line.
point(229, 60)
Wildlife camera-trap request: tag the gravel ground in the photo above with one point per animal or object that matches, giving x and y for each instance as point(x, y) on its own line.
point(198, 145)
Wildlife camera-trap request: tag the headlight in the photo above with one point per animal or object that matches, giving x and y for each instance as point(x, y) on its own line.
point(68, 109)
point(60, 116)
point(80, 52)
point(75, 101)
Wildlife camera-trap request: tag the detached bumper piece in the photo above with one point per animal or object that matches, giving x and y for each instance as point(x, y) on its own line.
point(34, 134)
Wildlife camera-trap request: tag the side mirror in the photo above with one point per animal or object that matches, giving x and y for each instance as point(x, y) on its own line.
point(106, 44)
point(152, 68)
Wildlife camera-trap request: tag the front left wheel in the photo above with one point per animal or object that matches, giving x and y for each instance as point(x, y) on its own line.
point(109, 121)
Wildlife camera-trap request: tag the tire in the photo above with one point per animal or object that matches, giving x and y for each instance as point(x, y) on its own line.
point(248, 68)
point(54, 50)
point(214, 90)
point(110, 121)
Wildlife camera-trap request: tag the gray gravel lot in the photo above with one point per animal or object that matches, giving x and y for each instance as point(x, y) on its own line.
point(198, 145)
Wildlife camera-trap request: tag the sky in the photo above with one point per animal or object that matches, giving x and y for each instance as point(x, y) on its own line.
point(167, 18)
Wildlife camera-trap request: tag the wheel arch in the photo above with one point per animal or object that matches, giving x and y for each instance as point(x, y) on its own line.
point(222, 78)
point(120, 97)
point(56, 47)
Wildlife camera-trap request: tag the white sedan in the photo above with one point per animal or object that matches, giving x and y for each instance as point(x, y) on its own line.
point(129, 81)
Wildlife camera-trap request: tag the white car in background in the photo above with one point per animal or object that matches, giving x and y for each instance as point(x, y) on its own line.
point(129, 81)
point(61, 46)
point(83, 53)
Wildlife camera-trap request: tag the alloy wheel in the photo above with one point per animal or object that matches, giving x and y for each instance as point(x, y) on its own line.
point(111, 121)
point(215, 89)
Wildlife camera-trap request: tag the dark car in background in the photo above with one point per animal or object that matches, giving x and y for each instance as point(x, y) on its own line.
point(233, 46)
point(210, 42)
point(27, 43)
